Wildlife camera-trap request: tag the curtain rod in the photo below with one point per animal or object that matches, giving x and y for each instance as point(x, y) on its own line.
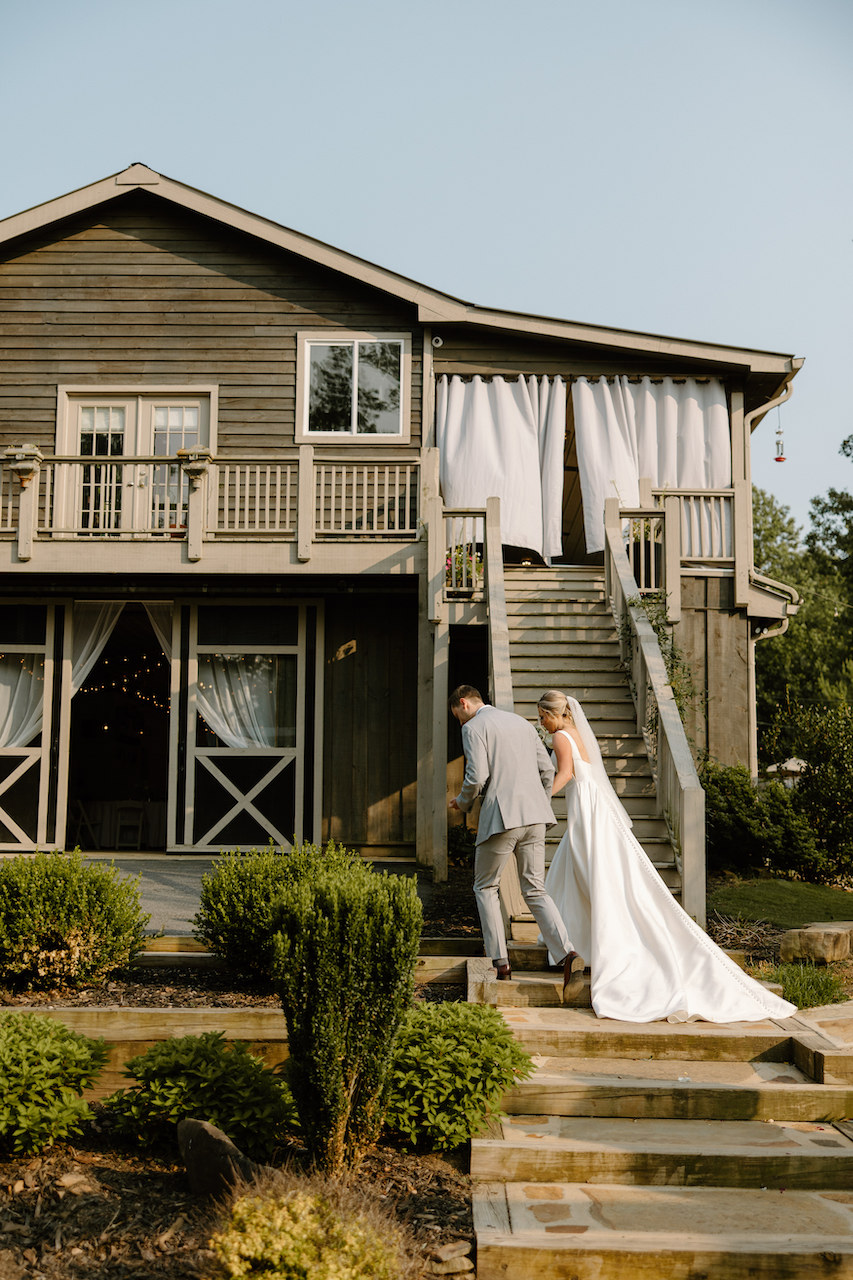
point(574, 377)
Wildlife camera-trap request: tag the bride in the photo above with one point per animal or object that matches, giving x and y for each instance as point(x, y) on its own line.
point(648, 959)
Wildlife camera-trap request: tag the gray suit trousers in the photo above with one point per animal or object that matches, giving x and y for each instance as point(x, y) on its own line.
point(528, 845)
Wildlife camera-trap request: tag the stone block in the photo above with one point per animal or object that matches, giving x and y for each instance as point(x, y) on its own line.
point(822, 942)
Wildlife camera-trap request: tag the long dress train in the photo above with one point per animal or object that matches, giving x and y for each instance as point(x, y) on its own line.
point(648, 960)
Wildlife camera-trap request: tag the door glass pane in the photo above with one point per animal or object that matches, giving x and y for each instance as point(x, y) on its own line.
point(248, 700)
point(330, 387)
point(176, 426)
point(379, 388)
point(102, 434)
point(22, 623)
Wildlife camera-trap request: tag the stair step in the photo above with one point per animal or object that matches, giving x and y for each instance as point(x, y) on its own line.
point(607, 1232)
point(578, 1033)
point(676, 1090)
point(545, 599)
point(721, 1153)
point(565, 670)
point(562, 651)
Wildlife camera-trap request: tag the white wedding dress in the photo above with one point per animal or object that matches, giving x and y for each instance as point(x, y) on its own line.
point(648, 960)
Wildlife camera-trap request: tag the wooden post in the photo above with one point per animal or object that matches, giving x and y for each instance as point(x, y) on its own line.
point(672, 553)
point(500, 671)
point(644, 486)
point(441, 666)
point(195, 464)
point(24, 462)
point(305, 503)
point(692, 840)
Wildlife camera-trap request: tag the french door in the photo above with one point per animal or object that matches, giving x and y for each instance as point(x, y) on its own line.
point(31, 643)
point(109, 496)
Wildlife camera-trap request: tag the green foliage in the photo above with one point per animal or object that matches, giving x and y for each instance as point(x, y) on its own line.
point(811, 660)
point(44, 1068)
point(785, 904)
point(750, 828)
point(461, 844)
point(237, 913)
point(208, 1078)
point(63, 921)
point(344, 964)
point(452, 1065)
point(805, 985)
point(678, 670)
point(300, 1234)
point(823, 795)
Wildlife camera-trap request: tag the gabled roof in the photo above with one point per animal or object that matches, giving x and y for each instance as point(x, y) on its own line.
point(433, 307)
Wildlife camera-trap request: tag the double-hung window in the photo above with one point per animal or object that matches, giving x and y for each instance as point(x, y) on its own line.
point(353, 385)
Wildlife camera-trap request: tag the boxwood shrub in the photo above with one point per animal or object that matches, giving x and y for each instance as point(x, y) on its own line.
point(66, 922)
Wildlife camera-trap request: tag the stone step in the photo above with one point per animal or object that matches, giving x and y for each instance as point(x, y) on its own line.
point(716, 1153)
point(676, 1090)
point(579, 1034)
point(564, 1231)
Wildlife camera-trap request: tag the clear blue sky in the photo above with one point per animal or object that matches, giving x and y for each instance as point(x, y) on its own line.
point(670, 167)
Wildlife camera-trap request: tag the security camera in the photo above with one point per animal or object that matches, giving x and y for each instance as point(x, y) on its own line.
point(437, 341)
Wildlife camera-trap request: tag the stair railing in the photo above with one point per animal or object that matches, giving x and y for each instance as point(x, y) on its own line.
point(680, 798)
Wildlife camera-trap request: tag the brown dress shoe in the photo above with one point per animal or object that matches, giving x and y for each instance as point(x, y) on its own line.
point(503, 972)
point(573, 967)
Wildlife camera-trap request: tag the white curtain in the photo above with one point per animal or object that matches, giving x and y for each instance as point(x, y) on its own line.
point(237, 695)
point(505, 438)
point(22, 675)
point(160, 617)
point(676, 433)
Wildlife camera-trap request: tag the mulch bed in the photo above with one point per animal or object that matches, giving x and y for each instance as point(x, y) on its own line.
point(91, 1209)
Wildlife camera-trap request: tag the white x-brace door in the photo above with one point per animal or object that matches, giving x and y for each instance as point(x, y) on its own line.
point(215, 790)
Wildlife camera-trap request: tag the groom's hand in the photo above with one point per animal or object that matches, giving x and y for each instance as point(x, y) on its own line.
point(451, 804)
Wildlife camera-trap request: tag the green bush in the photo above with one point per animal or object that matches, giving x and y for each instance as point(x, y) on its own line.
point(807, 986)
point(63, 921)
point(302, 1233)
point(236, 916)
point(823, 795)
point(452, 1065)
point(207, 1078)
point(756, 828)
point(344, 963)
point(44, 1068)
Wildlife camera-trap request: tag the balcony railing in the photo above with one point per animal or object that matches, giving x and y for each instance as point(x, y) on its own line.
point(194, 496)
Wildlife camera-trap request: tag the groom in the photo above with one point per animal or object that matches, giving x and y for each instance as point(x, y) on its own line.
point(506, 761)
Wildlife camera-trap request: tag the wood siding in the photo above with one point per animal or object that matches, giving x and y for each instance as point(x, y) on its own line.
point(370, 733)
point(714, 638)
point(143, 292)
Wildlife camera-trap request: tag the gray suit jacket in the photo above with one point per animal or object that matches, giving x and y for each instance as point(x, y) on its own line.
point(506, 761)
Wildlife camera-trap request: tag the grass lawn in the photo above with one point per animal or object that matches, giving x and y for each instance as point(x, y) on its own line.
point(785, 904)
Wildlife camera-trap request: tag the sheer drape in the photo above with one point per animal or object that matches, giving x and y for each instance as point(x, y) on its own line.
point(22, 675)
point(676, 433)
point(505, 439)
point(239, 696)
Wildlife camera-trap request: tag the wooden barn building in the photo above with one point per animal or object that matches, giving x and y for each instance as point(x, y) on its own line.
point(263, 503)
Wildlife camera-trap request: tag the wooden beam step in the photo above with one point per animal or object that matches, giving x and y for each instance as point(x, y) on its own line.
point(717, 1153)
point(579, 1034)
point(605, 1232)
point(676, 1090)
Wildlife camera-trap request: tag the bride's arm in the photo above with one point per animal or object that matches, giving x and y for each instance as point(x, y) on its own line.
point(565, 765)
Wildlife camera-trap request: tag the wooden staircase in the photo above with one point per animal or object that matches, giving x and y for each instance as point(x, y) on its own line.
point(562, 636)
point(665, 1151)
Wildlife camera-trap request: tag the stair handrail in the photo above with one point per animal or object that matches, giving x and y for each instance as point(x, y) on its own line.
point(500, 669)
point(680, 797)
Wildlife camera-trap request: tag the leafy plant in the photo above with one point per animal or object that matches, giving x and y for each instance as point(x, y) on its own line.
point(306, 1231)
point(452, 1065)
point(65, 921)
point(344, 964)
point(807, 986)
point(823, 796)
point(463, 566)
point(461, 843)
point(750, 827)
point(237, 913)
point(44, 1068)
point(678, 670)
point(208, 1078)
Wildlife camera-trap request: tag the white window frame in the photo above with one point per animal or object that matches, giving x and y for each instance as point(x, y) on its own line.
point(329, 337)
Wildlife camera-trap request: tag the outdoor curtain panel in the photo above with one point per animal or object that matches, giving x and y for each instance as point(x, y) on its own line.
point(505, 438)
point(674, 433)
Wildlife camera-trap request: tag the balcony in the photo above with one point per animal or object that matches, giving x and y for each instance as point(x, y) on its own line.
point(225, 514)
